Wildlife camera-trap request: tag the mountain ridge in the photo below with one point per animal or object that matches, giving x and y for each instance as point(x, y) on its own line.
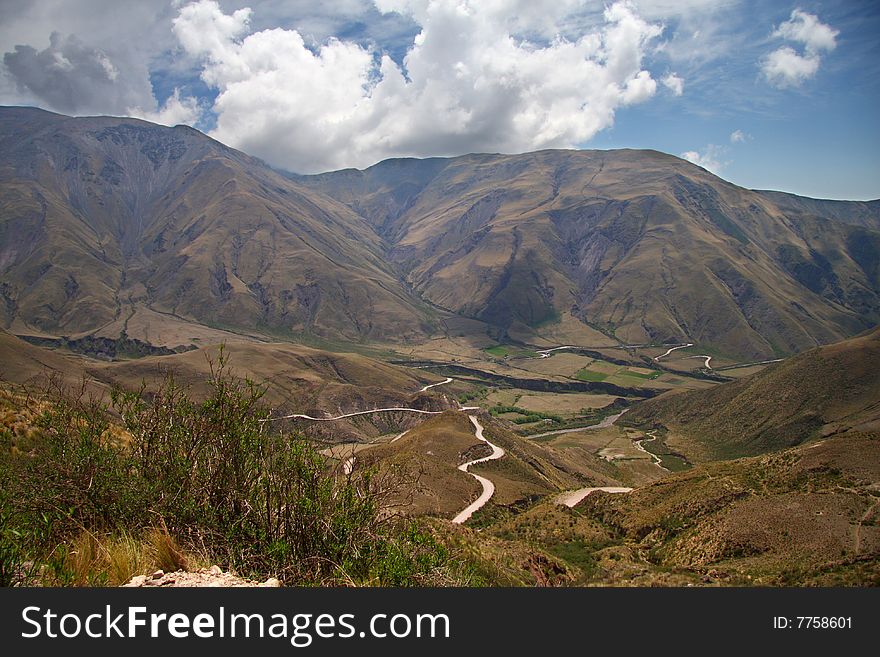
point(580, 220)
point(118, 225)
point(183, 225)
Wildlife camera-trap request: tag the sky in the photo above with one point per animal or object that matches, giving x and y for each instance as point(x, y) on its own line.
point(768, 95)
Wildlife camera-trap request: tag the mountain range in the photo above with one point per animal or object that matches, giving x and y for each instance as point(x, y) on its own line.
point(118, 228)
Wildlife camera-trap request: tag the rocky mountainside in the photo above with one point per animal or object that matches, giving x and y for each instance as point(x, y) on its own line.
point(106, 218)
point(116, 228)
point(640, 243)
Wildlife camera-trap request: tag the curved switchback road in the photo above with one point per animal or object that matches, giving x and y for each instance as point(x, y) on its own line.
point(545, 353)
point(488, 486)
point(708, 359)
point(671, 349)
point(433, 385)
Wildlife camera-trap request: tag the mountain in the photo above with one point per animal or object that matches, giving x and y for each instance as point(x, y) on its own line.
point(823, 391)
point(144, 236)
point(639, 243)
point(111, 222)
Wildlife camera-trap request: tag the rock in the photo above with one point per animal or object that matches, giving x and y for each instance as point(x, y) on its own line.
point(272, 582)
point(137, 580)
point(215, 570)
point(159, 574)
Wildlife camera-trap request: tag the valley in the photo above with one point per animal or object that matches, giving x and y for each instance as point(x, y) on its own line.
point(587, 367)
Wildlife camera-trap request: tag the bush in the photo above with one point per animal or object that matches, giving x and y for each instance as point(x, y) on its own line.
point(216, 478)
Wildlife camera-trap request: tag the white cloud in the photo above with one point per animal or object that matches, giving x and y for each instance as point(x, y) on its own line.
point(174, 111)
point(807, 29)
point(466, 84)
point(674, 83)
point(738, 136)
point(784, 67)
point(710, 158)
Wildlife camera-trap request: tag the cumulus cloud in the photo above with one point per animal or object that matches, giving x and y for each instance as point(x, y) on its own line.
point(469, 82)
point(176, 110)
point(711, 158)
point(807, 29)
point(71, 76)
point(674, 83)
point(785, 67)
point(738, 136)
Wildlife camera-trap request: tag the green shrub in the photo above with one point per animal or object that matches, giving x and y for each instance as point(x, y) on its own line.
point(214, 475)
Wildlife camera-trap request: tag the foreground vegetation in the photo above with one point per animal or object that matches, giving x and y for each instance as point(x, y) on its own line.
point(94, 494)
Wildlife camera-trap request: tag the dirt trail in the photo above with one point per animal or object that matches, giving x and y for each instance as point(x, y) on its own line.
point(488, 486)
point(708, 360)
point(433, 385)
point(573, 497)
point(671, 349)
point(650, 435)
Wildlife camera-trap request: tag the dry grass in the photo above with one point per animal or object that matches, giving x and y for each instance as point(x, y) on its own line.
point(90, 559)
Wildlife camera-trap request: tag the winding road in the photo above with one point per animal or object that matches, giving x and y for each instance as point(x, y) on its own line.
point(671, 349)
point(545, 353)
point(573, 497)
point(433, 385)
point(342, 417)
point(488, 486)
point(708, 360)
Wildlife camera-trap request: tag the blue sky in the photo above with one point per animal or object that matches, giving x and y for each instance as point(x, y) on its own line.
point(771, 95)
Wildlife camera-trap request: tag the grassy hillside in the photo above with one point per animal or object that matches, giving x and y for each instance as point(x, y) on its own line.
point(807, 515)
point(820, 392)
point(432, 451)
point(297, 379)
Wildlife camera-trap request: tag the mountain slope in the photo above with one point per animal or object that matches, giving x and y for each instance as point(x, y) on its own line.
point(643, 244)
point(805, 516)
point(103, 218)
point(822, 391)
point(119, 228)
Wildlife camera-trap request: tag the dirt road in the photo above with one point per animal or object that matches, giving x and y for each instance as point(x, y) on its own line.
point(488, 486)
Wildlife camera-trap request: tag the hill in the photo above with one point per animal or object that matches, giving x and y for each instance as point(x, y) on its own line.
point(820, 392)
point(432, 451)
point(803, 516)
point(641, 244)
point(296, 379)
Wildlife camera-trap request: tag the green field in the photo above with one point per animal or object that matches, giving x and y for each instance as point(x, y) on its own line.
point(506, 350)
point(590, 375)
point(639, 375)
